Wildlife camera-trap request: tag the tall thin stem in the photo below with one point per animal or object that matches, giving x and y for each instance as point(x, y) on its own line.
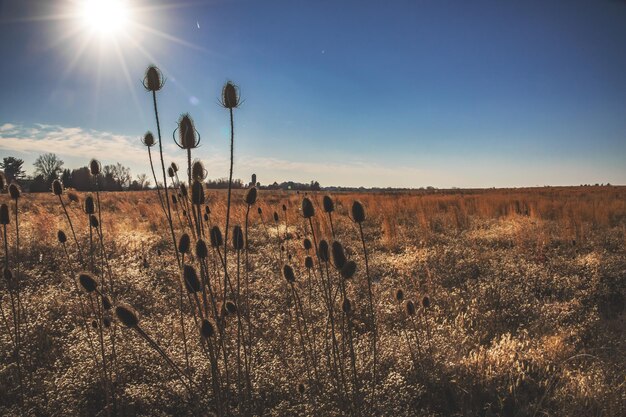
point(230, 186)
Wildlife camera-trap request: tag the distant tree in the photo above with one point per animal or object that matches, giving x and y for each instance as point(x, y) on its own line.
point(39, 184)
point(66, 178)
point(315, 186)
point(49, 166)
point(13, 168)
point(81, 179)
point(143, 181)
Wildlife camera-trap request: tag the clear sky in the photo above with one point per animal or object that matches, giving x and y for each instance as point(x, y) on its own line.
point(381, 93)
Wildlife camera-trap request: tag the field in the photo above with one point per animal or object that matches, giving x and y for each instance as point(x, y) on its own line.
point(523, 316)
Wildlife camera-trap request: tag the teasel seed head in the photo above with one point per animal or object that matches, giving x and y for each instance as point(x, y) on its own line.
point(4, 214)
point(250, 197)
point(307, 244)
point(301, 388)
point(348, 270)
point(410, 308)
point(90, 207)
point(183, 190)
point(174, 166)
point(174, 199)
point(87, 281)
point(206, 217)
point(207, 330)
point(94, 324)
point(197, 193)
point(308, 262)
point(339, 257)
point(230, 96)
point(61, 236)
point(253, 180)
point(259, 210)
point(127, 315)
point(106, 321)
point(238, 238)
point(276, 217)
point(198, 172)
point(192, 283)
point(188, 136)
point(15, 191)
point(106, 302)
point(216, 237)
point(3, 182)
point(329, 205)
point(289, 274)
point(170, 173)
point(346, 306)
point(399, 295)
point(284, 208)
point(308, 210)
point(148, 139)
point(93, 221)
point(57, 187)
point(323, 251)
point(358, 212)
point(426, 302)
point(207, 210)
point(231, 307)
point(153, 80)
point(202, 251)
point(94, 167)
point(184, 242)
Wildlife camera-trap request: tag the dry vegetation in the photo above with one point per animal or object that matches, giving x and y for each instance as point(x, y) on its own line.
point(468, 303)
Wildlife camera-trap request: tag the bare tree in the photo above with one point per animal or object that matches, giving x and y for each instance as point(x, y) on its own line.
point(143, 181)
point(48, 165)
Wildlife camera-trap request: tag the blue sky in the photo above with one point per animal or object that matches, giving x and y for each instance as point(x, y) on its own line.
point(398, 93)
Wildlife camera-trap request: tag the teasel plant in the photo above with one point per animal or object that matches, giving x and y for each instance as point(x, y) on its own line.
point(329, 207)
point(406, 309)
point(13, 290)
point(149, 142)
point(58, 190)
point(358, 216)
point(230, 100)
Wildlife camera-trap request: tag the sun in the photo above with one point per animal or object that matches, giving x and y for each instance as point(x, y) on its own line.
point(106, 18)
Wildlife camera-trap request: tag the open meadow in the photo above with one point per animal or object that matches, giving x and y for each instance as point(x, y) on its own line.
point(484, 302)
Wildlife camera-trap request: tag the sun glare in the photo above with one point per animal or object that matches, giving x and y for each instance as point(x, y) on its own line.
point(105, 17)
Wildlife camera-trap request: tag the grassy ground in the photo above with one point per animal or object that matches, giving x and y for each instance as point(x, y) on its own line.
point(526, 314)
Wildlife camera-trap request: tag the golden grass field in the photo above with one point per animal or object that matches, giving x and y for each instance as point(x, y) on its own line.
point(526, 313)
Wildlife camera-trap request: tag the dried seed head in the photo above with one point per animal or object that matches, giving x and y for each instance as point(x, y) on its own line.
point(307, 244)
point(183, 190)
point(184, 243)
point(207, 210)
point(216, 237)
point(288, 274)
point(57, 187)
point(253, 179)
point(197, 193)
point(3, 182)
point(174, 166)
point(329, 206)
point(346, 306)
point(87, 281)
point(15, 191)
point(284, 208)
point(106, 302)
point(93, 221)
point(94, 324)
point(90, 207)
point(301, 388)
point(202, 251)
point(348, 270)
point(197, 170)
point(250, 197)
point(206, 217)
point(148, 139)
point(94, 167)
point(106, 321)
point(8, 275)
point(188, 137)
point(323, 251)
point(153, 80)
point(410, 308)
point(276, 217)
point(399, 295)
point(339, 257)
point(4, 214)
point(61, 236)
point(237, 238)
point(308, 262)
point(73, 197)
point(426, 302)
point(170, 173)
point(231, 307)
point(207, 330)
point(307, 208)
point(230, 96)
point(358, 212)
point(192, 283)
point(127, 315)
